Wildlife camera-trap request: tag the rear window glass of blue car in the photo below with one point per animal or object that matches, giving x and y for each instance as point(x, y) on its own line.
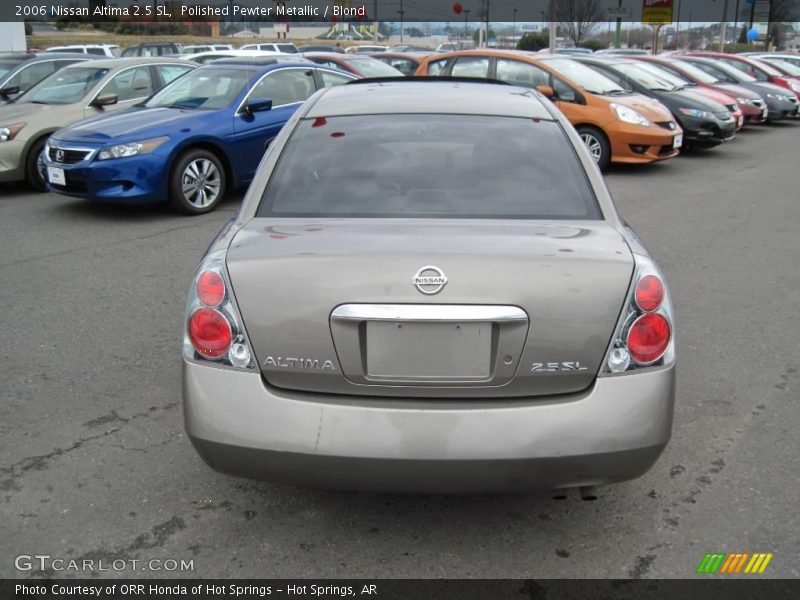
point(434, 166)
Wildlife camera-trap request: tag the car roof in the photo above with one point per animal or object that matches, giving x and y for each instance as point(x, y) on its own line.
point(429, 97)
point(417, 55)
point(262, 61)
point(118, 63)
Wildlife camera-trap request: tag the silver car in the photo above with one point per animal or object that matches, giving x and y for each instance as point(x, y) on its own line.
point(428, 289)
point(71, 94)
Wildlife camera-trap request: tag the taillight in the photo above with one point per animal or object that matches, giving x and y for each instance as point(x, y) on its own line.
point(214, 329)
point(210, 333)
point(649, 293)
point(643, 336)
point(648, 338)
point(210, 288)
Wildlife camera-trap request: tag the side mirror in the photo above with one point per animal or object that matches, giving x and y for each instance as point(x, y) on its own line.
point(105, 100)
point(9, 91)
point(546, 91)
point(255, 105)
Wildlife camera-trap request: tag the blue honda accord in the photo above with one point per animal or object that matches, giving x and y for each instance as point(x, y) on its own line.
point(200, 136)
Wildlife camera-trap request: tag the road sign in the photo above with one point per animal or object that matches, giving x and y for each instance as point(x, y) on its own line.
point(657, 12)
point(618, 12)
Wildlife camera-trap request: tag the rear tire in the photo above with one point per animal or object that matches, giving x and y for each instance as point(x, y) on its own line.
point(197, 183)
point(597, 144)
point(34, 166)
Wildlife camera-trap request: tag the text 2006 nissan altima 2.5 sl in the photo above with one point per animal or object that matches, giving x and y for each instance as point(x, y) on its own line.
point(428, 289)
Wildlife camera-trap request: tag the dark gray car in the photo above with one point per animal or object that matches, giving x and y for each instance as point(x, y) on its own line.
point(428, 288)
point(20, 71)
point(781, 103)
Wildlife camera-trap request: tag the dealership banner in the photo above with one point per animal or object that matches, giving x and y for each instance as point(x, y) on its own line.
point(453, 11)
point(396, 589)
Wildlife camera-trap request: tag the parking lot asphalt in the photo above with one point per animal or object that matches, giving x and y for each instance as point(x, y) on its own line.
point(94, 463)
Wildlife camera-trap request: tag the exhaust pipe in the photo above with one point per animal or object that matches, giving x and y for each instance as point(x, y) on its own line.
point(588, 493)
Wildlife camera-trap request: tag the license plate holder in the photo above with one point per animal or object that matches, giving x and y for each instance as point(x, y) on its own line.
point(677, 142)
point(425, 351)
point(56, 176)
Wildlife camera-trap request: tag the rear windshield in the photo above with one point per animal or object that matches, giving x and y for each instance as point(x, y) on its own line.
point(372, 67)
point(434, 166)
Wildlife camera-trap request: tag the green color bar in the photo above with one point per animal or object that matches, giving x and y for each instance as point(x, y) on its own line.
point(711, 562)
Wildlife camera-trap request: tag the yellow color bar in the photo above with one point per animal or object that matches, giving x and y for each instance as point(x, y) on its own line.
point(764, 564)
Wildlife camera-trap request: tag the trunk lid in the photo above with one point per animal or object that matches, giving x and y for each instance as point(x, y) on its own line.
point(528, 308)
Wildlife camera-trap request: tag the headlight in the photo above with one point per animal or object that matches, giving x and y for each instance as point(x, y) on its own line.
point(755, 101)
point(795, 86)
point(130, 149)
point(698, 114)
point(779, 97)
point(9, 132)
point(628, 115)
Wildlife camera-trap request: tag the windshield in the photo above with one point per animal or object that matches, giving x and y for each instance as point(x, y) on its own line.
point(436, 166)
point(208, 88)
point(66, 86)
point(585, 77)
point(786, 66)
point(645, 78)
point(693, 71)
point(371, 67)
point(665, 74)
point(732, 73)
point(764, 67)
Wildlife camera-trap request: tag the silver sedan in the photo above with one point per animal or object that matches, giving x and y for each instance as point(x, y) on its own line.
point(428, 289)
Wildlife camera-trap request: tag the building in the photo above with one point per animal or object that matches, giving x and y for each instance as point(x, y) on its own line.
point(12, 37)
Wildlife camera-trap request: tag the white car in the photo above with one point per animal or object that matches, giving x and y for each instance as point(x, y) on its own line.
point(109, 50)
point(202, 58)
point(365, 49)
point(284, 47)
point(197, 48)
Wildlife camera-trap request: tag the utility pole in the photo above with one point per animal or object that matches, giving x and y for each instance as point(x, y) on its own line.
point(514, 30)
point(487, 23)
point(375, 26)
point(618, 38)
point(552, 17)
point(466, 25)
point(402, 12)
point(723, 26)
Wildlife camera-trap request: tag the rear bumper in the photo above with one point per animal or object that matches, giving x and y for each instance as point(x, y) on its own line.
point(613, 431)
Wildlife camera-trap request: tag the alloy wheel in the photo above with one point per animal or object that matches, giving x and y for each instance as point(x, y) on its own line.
point(201, 183)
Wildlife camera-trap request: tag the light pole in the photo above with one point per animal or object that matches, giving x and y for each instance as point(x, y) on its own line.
point(514, 29)
point(466, 25)
point(618, 38)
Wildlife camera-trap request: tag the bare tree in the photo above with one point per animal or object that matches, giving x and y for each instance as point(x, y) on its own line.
point(578, 18)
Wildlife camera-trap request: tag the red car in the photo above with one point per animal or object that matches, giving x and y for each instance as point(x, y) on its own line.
point(755, 68)
point(750, 103)
point(359, 65)
point(682, 83)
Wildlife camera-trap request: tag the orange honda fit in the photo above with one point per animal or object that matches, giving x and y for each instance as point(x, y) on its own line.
point(617, 125)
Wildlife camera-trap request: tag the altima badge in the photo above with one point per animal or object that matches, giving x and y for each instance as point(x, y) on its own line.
point(429, 280)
